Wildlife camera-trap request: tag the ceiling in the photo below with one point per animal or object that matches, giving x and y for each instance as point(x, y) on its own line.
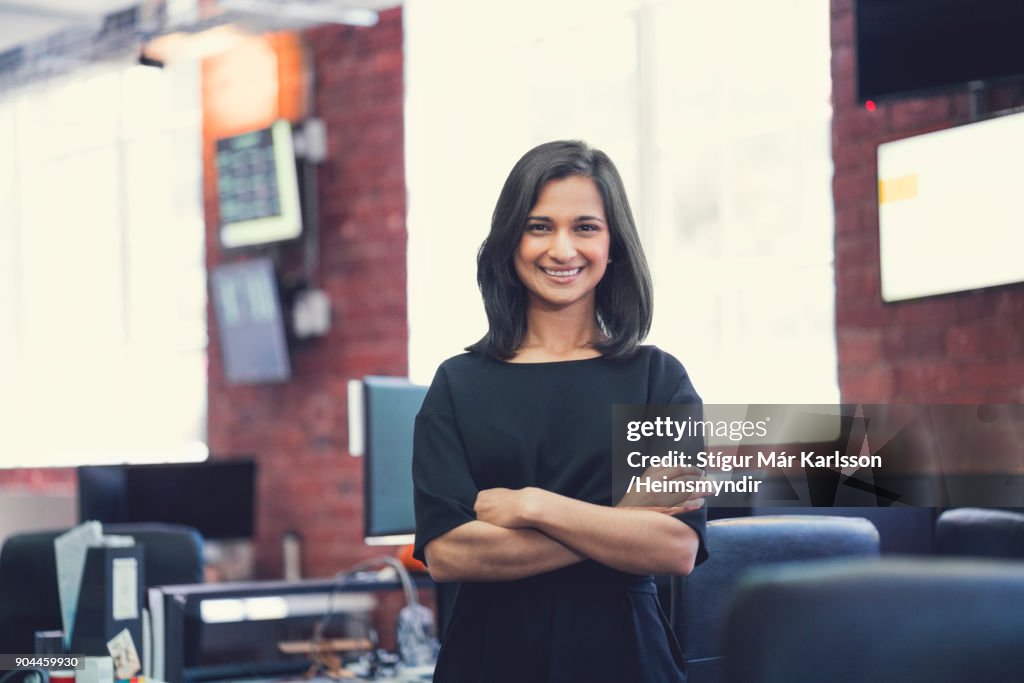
point(26, 22)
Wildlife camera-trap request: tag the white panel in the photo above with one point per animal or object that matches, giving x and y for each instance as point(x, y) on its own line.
point(22, 512)
point(949, 213)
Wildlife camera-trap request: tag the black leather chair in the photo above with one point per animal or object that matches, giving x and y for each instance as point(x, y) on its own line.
point(978, 532)
point(738, 545)
point(902, 619)
point(29, 599)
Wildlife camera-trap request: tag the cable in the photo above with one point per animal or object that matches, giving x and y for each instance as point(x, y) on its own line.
point(418, 631)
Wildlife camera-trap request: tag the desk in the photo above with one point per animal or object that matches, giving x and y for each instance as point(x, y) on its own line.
point(185, 616)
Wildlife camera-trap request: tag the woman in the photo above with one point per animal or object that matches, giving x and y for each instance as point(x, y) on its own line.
point(512, 457)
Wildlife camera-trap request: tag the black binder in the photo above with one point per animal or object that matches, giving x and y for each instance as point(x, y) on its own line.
point(95, 624)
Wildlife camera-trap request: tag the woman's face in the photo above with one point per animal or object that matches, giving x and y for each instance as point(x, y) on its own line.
point(563, 252)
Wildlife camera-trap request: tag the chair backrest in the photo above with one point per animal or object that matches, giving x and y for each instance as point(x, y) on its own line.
point(29, 599)
point(977, 532)
point(902, 530)
point(903, 619)
point(738, 545)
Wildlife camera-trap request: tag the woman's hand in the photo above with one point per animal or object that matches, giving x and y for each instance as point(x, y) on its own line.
point(509, 508)
point(671, 503)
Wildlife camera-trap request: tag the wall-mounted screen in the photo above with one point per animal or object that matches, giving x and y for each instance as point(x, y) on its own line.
point(250, 322)
point(949, 213)
point(909, 46)
point(258, 188)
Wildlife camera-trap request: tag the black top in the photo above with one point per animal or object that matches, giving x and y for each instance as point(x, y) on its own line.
point(486, 423)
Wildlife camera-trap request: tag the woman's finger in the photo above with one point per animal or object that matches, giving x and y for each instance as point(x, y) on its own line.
point(675, 472)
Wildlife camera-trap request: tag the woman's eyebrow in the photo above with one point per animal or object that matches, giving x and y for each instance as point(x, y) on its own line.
point(578, 219)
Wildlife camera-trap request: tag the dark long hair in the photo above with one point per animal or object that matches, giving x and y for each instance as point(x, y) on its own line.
point(624, 297)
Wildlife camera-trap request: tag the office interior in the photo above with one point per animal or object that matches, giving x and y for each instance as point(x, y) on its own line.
point(754, 163)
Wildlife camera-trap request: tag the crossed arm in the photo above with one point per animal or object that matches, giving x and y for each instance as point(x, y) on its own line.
point(520, 533)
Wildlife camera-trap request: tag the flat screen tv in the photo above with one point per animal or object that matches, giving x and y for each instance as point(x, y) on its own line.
point(907, 47)
point(389, 415)
point(250, 322)
point(215, 497)
point(949, 215)
point(258, 187)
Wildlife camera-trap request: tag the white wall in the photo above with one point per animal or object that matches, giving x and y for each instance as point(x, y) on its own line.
point(35, 512)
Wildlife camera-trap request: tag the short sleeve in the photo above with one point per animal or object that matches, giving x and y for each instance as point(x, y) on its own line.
point(685, 394)
point(444, 492)
point(698, 521)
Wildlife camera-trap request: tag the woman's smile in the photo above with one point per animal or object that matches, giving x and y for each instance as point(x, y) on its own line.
point(562, 275)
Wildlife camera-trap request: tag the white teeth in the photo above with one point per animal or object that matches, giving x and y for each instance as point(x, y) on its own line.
point(562, 273)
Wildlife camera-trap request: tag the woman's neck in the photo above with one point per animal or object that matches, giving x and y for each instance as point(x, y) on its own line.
point(554, 335)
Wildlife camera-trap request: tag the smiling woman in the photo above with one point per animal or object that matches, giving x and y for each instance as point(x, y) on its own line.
point(512, 447)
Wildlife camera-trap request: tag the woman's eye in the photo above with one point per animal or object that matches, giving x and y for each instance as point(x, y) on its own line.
point(537, 227)
point(586, 228)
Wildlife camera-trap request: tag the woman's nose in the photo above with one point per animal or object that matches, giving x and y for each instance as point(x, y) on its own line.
point(563, 247)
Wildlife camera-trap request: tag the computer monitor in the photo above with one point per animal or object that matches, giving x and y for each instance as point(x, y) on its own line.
point(389, 412)
point(215, 497)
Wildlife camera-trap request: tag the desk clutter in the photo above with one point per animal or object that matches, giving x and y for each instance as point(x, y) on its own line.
point(90, 594)
point(99, 582)
point(259, 630)
point(284, 630)
point(408, 675)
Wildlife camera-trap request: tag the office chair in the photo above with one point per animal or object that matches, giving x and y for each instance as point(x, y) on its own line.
point(903, 619)
point(977, 532)
point(29, 599)
point(737, 545)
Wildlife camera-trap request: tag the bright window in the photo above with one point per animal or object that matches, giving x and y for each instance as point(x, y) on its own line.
point(102, 299)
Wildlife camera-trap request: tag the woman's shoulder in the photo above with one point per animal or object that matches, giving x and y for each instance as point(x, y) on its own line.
point(451, 372)
point(668, 380)
point(465, 367)
point(467, 361)
point(658, 360)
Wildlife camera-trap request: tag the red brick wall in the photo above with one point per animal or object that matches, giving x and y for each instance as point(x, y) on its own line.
point(965, 347)
point(42, 480)
point(298, 430)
